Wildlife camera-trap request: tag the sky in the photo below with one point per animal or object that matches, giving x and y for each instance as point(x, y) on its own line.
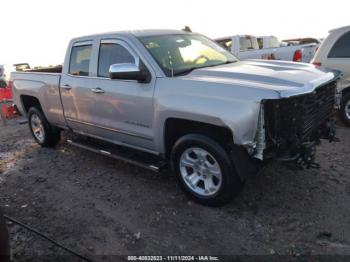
point(38, 31)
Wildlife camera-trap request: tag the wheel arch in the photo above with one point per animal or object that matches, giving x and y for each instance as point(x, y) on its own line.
point(28, 102)
point(346, 90)
point(174, 128)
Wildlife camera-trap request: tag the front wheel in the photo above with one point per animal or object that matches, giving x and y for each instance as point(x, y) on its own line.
point(43, 132)
point(204, 170)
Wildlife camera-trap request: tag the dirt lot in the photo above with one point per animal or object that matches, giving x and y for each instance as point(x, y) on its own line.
point(101, 207)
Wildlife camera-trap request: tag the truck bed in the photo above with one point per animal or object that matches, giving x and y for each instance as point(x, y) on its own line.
point(42, 85)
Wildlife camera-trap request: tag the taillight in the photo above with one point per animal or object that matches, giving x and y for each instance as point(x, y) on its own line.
point(317, 63)
point(298, 55)
point(9, 84)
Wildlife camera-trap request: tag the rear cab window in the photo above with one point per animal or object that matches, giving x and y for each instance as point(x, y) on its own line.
point(341, 47)
point(248, 43)
point(79, 64)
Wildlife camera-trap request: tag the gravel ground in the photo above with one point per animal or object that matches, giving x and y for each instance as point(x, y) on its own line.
point(100, 207)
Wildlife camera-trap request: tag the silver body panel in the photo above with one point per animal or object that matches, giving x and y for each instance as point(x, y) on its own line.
point(134, 114)
point(43, 86)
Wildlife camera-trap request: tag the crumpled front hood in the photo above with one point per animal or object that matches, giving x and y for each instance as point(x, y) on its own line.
point(286, 78)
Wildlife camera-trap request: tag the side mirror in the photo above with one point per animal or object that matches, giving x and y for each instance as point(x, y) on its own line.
point(129, 71)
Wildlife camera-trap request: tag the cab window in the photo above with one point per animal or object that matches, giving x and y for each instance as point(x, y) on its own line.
point(80, 60)
point(112, 54)
point(341, 47)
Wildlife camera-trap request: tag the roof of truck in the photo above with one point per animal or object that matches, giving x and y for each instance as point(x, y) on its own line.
point(229, 37)
point(139, 33)
point(345, 28)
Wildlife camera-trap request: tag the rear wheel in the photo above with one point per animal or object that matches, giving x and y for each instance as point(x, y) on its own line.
point(204, 170)
point(43, 132)
point(345, 109)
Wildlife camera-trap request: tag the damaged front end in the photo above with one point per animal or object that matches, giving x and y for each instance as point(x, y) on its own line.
point(289, 129)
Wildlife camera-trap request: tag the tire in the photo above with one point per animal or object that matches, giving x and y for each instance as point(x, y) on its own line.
point(198, 157)
point(43, 132)
point(345, 109)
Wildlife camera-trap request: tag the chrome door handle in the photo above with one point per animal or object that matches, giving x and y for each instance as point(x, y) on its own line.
point(67, 87)
point(97, 90)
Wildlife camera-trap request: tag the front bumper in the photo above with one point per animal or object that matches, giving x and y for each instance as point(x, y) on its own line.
point(289, 129)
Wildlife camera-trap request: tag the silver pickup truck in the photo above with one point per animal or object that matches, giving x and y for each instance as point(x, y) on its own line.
point(184, 100)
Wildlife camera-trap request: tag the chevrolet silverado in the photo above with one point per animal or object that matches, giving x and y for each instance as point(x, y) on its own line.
point(184, 100)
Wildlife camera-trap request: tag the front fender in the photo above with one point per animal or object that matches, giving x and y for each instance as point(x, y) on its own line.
point(241, 117)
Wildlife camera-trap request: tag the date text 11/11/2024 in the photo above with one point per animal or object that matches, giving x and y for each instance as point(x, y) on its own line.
point(173, 258)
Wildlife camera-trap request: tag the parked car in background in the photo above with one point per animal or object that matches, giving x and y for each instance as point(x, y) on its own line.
point(334, 52)
point(185, 100)
point(266, 47)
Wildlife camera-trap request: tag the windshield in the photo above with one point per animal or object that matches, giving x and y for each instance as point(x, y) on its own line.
point(180, 54)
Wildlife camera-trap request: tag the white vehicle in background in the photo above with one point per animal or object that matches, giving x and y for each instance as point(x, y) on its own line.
point(5, 71)
point(334, 52)
point(266, 47)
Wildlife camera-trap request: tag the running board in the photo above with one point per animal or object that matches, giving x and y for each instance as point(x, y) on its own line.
point(130, 156)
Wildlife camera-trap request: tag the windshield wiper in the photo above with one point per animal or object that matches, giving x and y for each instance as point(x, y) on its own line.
point(189, 70)
point(230, 62)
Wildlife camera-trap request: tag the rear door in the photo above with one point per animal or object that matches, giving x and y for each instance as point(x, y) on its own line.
point(339, 57)
point(75, 87)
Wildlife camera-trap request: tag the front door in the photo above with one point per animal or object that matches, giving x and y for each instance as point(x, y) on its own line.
point(121, 110)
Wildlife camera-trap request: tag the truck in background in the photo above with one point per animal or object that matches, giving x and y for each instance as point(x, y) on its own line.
point(266, 47)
